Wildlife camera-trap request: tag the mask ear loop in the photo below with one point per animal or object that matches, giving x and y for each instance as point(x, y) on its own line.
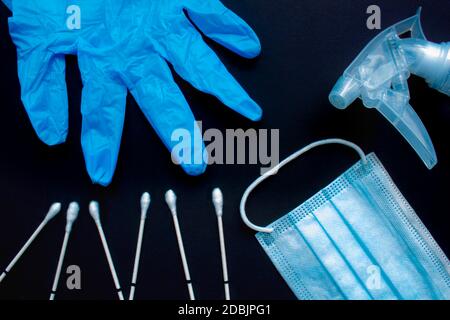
point(275, 169)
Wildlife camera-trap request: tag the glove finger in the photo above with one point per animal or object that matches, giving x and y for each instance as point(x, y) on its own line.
point(198, 64)
point(223, 26)
point(168, 112)
point(44, 93)
point(8, 3)
point(103, 111)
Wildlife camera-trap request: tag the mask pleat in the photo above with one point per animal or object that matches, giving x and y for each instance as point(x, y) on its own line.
point(331, 259)
point(405, 245)
point(305, 265)
point(381, 240)
point(358, 239)
point(357, 254)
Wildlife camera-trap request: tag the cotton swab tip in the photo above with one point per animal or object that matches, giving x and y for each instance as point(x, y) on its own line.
point(171, 200)
point(217, 198)
point(145, 203)
point(72, 212)
point(94, 211)
point(53, 211)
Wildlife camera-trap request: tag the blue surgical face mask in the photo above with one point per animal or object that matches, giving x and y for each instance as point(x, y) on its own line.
point(358, 238)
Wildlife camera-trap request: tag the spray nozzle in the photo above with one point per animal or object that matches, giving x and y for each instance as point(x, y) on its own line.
point(345, 91)
point(379, 74)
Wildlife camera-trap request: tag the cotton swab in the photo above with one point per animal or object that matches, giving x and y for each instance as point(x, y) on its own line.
point(95, 214)
point(217, 199)
point(171, 200)
point(72, 215)
point(145, 203)
point(53, 211)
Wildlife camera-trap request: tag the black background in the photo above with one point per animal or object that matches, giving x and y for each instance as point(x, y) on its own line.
point(306, 46)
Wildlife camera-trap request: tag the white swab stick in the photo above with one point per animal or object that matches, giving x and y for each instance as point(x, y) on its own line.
point(95, 213)
point(72, 214)
point(53, 211)
point(59, 267)
point(217, 198)
point(171, 200)
point(145, 203)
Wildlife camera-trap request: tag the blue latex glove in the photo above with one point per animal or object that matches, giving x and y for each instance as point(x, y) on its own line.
point(8, 3)
point(120, 45)
point(147, 35)
point(41, 33)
